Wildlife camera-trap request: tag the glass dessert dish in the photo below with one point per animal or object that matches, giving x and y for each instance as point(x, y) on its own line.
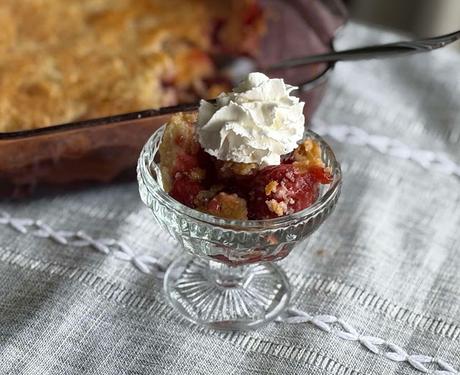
point(227, 278)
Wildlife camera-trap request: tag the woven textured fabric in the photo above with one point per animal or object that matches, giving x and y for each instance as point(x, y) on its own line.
point(379, 282)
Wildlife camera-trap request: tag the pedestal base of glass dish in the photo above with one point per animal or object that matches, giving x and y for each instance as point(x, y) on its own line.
point(222, 297)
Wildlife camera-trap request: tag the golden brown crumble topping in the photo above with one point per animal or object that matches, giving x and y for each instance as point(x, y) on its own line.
point(196, 174)
point(280, 205)
point(228, 206)
point(271, 187)
point(178, 138)
point(204, 196)
point(230, 168)
point(62, 61)
point(279, 208)
point(308, 154)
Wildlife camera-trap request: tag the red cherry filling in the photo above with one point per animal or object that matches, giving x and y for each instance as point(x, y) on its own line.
point(187, 179)
point(273, 191)
point(185, 190)
point(284, 189)
point(185, 163)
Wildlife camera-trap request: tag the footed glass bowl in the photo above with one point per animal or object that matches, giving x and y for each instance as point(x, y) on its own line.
point(227, 279)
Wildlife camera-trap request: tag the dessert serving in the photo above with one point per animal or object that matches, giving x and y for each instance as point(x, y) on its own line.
point(243, 156)
point(66, 61)
point(238, 185)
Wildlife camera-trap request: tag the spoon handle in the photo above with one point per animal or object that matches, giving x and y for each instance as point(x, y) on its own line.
point(372, 52)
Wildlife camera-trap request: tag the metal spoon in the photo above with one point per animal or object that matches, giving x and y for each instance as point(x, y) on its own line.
point(372, 52)
point(241, 67)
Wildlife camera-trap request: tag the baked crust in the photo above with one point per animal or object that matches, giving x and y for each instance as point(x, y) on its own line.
point(64, 61)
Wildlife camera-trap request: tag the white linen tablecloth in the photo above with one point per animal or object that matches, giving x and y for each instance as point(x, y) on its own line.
point(376, 289)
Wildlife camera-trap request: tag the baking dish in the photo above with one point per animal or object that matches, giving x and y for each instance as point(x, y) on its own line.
point(106, 149)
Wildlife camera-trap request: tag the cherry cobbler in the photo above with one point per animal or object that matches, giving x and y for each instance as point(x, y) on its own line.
point(234, 190)
point(243, 156)
point(63, 61)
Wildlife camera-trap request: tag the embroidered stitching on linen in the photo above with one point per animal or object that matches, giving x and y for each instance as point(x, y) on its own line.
point(389, 146)
point(376, 345)
point(120, 250)
point(336, 287)
point(148, 264)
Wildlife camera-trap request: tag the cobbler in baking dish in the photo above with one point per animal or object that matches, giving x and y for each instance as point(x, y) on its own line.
point(63, 61)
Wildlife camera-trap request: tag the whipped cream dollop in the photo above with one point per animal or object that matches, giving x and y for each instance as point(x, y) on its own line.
point(258, 122)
